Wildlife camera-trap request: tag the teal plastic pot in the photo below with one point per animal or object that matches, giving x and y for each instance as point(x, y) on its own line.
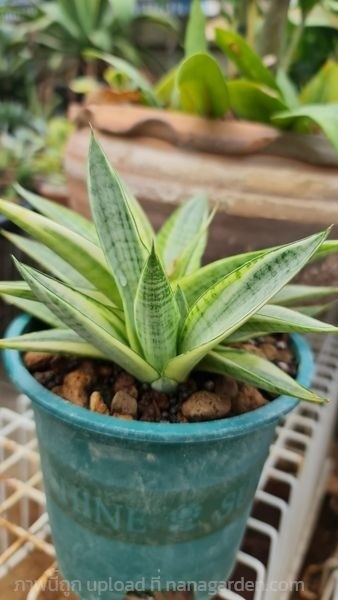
point(147, 506)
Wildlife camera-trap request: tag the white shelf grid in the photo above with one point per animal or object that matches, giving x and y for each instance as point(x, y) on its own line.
point(282, 517)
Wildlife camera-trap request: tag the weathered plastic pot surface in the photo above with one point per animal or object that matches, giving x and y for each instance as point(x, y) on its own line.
point(147, 505)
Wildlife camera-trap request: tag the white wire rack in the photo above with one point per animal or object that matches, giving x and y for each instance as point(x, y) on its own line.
point(278, 530)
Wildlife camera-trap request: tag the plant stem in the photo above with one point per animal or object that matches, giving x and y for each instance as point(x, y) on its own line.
point(292, 48)
point(273, 29)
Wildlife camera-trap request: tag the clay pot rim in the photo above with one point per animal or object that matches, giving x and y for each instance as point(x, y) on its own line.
point(138, 431)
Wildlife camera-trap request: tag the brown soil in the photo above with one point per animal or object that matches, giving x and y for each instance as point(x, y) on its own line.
point(105, 388)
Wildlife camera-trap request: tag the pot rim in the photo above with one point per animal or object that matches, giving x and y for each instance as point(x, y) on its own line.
point(134, 430)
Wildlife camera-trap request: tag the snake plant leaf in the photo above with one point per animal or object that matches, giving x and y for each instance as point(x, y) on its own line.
point(327, 248)
point(144, 226)
point(294, 294)
point(82, 255)
point(315, 309)
point(195, 38)
point(190, 258)
point(34, 308)
point(323, 115)
point(200, 87)
point(92, 321)
point(133, 74)
point(254, 101)
point(19, 289)
point(47, 259)
point(256, 371)
point(195, 284)
point(60, 214)
point(230, 302)
point(156, 314)
point(181, 229)
point(279, 319)
point(57, 341)
point(248, 63)
point(182, 304)
point(119, 236)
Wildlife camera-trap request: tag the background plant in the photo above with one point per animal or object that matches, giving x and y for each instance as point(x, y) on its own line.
point(117, 291)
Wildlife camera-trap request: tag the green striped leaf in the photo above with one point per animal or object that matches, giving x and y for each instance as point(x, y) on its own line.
point(34, 308)
point(228, 304)
point(60, 214)
point(93, 322)
point(47, 259)
point(57, 341)
point(279, 319)
point(294, 294)
point(143, 224)
point(196, 283)
point(256, 371)
point(119, 237)
point(81, 254)
point(182, 227)
point(156, 314)
point(19, 289)
point(182, 304)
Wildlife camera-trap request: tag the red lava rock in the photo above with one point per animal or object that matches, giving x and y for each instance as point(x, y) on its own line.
point(37, 361)
point(226, 387)
point(124, 404)
point(122, 416)
point(247, 399)
point(97, 404)
point(205, 406)
point(123, 380)
point(270, 351)
point(76, 383)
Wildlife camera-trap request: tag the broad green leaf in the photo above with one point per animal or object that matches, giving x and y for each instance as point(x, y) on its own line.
point(57, 341)
point(47, 259)
point(60, 214)
point(131, 72)
point(200, 87)
point(256, 371)
point(195, 38)
point(92, 321)
point(324, 115)
point(165, 87)
point(81, 254)
point(34, 308)
point(294, 294)
point(279, 319)
point(156, 314)
point(323, 87)
point(231, 301)
point(119, 236)
point(180, 229)
point(327, 248)
point(288, 89)
point(253, 101)
point(249, 64)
